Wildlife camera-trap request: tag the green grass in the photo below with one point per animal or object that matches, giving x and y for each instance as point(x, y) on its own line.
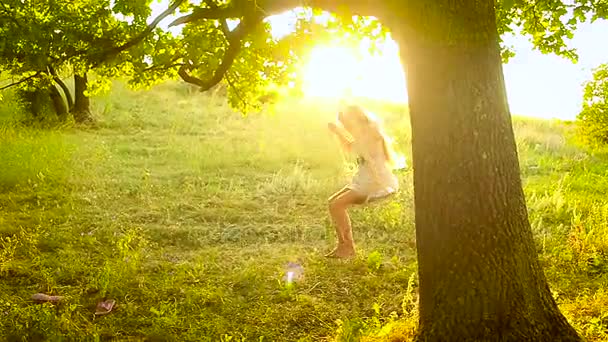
point(187, 214)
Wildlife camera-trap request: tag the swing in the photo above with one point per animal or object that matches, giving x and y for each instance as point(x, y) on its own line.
point(382, 198)
point(379, 199)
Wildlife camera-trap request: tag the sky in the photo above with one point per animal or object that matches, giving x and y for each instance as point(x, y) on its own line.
point(550, 86)
point(538, 85)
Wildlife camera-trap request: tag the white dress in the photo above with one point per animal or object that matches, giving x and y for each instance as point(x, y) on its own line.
point(374, 178)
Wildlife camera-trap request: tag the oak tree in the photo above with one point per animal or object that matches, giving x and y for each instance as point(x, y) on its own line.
point(479, 275)
point(45, 40)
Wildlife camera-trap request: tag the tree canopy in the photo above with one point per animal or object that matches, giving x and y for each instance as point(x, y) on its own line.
point(203, 61)
point(45, 40)
point(119, 37)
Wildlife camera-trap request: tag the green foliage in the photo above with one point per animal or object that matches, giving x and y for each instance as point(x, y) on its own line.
point(256, 69)
point(72, 37)
point(10, 111)
point(263, 61)
point(85, 34)
point(593, 119)
point(374, 261)
point(548, 24)
point(32, 158)
point(43, 33)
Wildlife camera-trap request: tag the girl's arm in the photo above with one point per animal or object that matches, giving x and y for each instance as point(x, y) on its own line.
point(344, 141)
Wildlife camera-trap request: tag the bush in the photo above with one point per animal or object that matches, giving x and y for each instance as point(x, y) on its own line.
point(11, 112)
point(34, 157)
point(593, 119)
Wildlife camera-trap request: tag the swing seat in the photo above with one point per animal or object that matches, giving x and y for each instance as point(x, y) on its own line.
point(379, 199)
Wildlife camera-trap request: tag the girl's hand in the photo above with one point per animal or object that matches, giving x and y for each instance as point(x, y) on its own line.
point(332, 127)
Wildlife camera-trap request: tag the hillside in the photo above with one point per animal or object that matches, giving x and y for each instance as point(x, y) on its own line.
point(187, 214)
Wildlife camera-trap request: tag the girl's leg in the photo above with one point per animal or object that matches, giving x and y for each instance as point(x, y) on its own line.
point(338, 206)
point(338, 193)
point(330, 200)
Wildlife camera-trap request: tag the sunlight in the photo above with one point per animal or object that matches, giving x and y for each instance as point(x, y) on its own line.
point(400, 161)
point(330, 72)
point(336, 71)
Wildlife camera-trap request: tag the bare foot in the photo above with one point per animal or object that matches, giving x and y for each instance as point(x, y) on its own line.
point(341, 252)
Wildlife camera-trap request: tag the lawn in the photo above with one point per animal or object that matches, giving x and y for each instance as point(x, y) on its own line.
point(188, 214)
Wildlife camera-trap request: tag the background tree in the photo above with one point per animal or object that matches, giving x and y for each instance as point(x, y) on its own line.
point(593, 119)
point(49, 39)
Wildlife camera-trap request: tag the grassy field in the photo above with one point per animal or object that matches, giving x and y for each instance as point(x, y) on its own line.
point(188, 214)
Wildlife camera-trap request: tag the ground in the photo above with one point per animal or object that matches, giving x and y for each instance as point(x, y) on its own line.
point(187, 214)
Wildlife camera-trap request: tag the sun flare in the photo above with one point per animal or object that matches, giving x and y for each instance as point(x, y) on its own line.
point(337, 71)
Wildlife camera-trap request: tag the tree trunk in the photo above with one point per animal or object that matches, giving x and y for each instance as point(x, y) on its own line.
point(35, 102)
point(63, 86)
point(480, 279)
point(58, 104)
point(82, 105)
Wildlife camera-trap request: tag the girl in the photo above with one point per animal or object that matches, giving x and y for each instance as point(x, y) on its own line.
point(360, 133)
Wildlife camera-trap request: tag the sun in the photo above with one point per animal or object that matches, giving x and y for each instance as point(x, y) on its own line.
point(330, 71)
point(338, 71)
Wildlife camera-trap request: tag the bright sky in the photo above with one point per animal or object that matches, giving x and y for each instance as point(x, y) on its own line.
point(537, 85)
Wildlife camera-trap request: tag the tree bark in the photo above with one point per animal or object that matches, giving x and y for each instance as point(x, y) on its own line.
point(82, 104)
point(58, 104)
point(480, 278)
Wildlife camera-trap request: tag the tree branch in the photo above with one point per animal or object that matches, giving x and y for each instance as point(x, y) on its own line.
point(163, 66)
point(234, 47)
point(149, 28)
point(105, 55)
point(223, 21)
point(265, 8)
point(21, 81)
point(224, 12)
point(253, 12)
point(236, 91)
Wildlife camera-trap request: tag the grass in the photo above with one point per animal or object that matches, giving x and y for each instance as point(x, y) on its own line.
point(188, 214)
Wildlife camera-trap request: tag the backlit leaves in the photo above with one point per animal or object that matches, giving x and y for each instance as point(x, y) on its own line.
point(69, 33)
point(549, 24)
point(593, 119)
point(78, 33)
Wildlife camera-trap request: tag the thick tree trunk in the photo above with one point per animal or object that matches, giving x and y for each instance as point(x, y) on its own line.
point(58, 104)
point(480, 279)
point(82, 104)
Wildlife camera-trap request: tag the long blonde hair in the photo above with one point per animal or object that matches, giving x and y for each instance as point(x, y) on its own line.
point(370, 122)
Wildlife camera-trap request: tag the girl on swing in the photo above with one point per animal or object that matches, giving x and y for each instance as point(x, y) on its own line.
point(359, 133)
